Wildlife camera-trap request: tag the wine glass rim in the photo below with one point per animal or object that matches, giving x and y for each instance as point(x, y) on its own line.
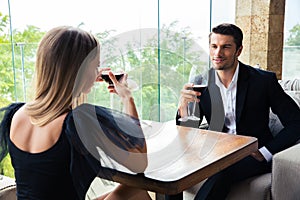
point(115, 73)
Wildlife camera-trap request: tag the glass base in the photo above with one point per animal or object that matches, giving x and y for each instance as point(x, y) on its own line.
point(183, 119)
point(193, 118)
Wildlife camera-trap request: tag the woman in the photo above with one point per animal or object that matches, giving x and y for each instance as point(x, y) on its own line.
point(54, 142)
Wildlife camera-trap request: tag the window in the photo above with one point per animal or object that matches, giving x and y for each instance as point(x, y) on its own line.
point(155, 41)
point(291, 50)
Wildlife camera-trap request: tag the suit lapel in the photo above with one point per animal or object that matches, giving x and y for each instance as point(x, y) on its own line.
point(217, 110)
point(242, 87)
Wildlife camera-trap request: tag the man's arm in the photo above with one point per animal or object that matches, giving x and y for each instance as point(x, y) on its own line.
point(289, 114)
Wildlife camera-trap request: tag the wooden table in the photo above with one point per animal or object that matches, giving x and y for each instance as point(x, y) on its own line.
point(180, 157)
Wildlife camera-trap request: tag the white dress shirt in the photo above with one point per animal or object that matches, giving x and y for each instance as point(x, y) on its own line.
point(229, 103)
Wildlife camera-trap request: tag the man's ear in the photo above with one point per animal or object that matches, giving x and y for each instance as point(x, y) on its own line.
point(239, 51)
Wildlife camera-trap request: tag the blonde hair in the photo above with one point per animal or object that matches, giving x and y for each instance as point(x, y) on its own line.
point(61, 54)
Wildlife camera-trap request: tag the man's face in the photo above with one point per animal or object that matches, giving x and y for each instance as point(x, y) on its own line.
point(223, 52)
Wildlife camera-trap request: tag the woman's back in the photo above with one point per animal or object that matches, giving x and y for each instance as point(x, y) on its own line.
point(41, 159)
point(32, 138)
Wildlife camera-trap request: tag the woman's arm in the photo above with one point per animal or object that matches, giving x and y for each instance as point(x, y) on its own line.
point(138, 154)
point(121, 89)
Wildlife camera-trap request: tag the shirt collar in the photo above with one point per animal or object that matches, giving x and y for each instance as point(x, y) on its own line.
point(234, 78)
point(236, 74)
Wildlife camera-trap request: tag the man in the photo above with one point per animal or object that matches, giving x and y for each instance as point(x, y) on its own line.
point(238, 101)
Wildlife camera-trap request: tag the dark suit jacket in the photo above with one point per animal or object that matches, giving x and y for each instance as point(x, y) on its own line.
point(257, 92)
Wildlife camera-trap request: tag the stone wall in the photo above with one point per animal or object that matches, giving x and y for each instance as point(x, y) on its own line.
point(262, 22)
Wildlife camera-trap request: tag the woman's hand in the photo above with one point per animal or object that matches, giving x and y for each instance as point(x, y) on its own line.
point(120, 87)
point(100, 70)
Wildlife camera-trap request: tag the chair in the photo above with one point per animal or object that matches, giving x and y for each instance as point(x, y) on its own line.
point(7, 188)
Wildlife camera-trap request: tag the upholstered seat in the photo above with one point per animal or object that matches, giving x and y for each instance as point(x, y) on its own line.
point(7, 188)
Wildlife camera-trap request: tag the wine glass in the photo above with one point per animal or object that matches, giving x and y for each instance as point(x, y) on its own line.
point(106, 78)
point(132, 85)
point(199, 78)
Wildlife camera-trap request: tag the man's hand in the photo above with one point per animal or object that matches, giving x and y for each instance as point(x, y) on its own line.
point(258, 156)
point(187, 95)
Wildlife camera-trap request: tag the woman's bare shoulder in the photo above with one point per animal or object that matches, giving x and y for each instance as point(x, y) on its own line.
point(32, 138)
point(19, 120)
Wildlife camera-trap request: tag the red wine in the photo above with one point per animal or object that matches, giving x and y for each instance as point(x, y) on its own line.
point(199, 88)
point(107, 79)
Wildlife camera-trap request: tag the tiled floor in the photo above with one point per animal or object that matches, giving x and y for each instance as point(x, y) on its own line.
point(100, 187)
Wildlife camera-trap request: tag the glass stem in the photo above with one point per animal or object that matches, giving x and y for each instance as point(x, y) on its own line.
point(194, 108)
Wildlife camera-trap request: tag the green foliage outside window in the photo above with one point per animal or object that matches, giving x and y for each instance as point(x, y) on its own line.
point(152, 96)
point(294, 38)
point(6, 167)
point(13, 76)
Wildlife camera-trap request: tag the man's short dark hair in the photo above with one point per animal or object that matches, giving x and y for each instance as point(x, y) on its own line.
point(229, 29)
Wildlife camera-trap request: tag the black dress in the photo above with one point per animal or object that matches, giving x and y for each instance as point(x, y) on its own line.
point(66, 170)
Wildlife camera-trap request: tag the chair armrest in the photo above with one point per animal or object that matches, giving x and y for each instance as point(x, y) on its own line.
point(285, 175)
point(7, 188)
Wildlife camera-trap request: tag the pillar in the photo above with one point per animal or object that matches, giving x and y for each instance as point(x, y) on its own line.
point(262, 22)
